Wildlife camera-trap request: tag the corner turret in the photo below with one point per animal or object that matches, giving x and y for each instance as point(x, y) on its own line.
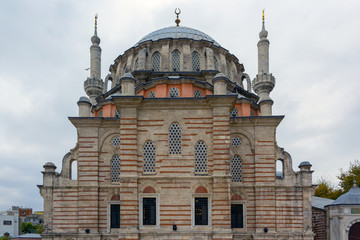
point(264, 82)
point(94, 85)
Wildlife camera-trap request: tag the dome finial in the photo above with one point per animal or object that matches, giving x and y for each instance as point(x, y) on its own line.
point(263, 15)
point(96, 17)
point(177, 12)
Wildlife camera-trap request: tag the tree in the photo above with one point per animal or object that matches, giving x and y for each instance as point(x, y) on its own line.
point(347, 177)
point(325, 188)
point(27, 227)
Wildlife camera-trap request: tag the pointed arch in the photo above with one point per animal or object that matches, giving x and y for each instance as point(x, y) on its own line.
point(175, 138)
point(175, 60)
point(195, 57)
point(155, 61)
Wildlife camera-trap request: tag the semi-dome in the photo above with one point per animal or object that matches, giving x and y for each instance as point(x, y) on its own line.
point(177, 32)
point(352, 197)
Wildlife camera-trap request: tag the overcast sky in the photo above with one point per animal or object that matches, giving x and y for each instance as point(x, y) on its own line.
point(314, 56)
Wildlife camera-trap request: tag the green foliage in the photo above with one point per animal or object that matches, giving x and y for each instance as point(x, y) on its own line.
point(27, 227)
point(347, 177)
point(326, 190)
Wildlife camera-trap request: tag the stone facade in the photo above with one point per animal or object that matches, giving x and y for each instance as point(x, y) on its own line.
point(179, 148)
point(319, 223)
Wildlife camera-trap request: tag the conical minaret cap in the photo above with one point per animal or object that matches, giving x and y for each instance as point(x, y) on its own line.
point(95, 39)
point(263, 34)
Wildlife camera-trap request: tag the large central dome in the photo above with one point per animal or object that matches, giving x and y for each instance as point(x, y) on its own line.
point(177, 32)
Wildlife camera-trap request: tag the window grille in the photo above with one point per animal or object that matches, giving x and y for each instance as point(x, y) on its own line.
point(235, 112)
point(5, 222)
point(149, 211)
point(175, 139)
point(149, 156)
point(201, 211)
point(174, 92)
point(228, 73)
point(151, 94)
point(115, 168)
point(117, 114)
point(237, 219)
point(195, 61)
point(156, 62)
point(236, 169)
point(175, 59)
point(115, 216)
point(198, 94)
point(136, 64)
point(100, 113)
point(235, 141)
point(115, 141)
point(215, 64)
point(200, 157)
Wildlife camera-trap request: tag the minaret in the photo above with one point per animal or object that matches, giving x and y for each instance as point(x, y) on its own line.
point(94, 85)
point(264, 82)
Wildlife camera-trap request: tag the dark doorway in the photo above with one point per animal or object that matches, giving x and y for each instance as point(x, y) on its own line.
point(354, 232)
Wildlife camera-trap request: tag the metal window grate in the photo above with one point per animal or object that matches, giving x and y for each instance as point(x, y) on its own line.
point(149, 157)
point(115, 168)
point(198, 94)
point(237, 219)
point(174, 92)
point(201, 211)
point(215, 64)
point(151, 94)
point(115, 216)
point(100, 113)
point(175, 139)
point(115, 141)
point(175, 59)
point(200, 157)
point(236, 141)
point(149, 211)
point(195, 61)
point(117, 114)
point(235, 112)
point(156, 62)
point(236, 169)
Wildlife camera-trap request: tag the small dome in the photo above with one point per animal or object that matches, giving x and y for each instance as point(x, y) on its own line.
point(128, 75)
point(84, 99)
point(352, 197)
point(49, 164)
point(176, 32)
point(95, 40)
point(304, 164)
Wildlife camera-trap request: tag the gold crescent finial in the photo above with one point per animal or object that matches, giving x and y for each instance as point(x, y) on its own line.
point(177, 12)
point(96, 17)
point(263, 15)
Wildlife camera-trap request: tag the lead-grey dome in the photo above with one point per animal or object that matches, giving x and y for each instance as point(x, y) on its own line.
point(352, 197)
point(177, 32)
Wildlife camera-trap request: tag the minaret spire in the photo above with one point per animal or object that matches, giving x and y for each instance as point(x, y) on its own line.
point(94, 85)
point(264, 82)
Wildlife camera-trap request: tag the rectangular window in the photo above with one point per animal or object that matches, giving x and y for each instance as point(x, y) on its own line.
point(237, 220)
point(149, 211)
point(7, 222)
point(115, 216)
point(201, 211)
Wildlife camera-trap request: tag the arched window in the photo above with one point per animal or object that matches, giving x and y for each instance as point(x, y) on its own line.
point(156, 62)
point(236, 141)
point(136, 65)
point(116, 113)
point(198, 94)
point(279, 169)
point(235, 112)
point(236, 169)
point(195, 61)
point(149, 155)
point(174, 92)
point(175, 60)
point(151, 94)
point(115, 168)
point(175, 139)
point(74, 170)
point(200, 157)
point(228, 72)
point(215, 64)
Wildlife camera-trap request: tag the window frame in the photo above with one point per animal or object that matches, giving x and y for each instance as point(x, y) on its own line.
point(243, 203)
point(141, 207)
point(8, 222)
point(193, 197)
point(143, 158)
point(110, 229)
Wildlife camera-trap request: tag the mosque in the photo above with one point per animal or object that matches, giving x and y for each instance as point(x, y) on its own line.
point(181, 146)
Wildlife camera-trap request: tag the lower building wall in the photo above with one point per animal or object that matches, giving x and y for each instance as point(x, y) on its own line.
point(319, 223)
